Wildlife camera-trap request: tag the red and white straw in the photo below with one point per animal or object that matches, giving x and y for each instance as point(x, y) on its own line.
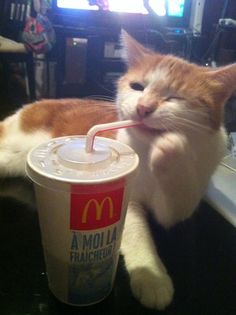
point(106, 127)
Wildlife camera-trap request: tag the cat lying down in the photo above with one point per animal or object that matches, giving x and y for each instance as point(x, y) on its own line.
point(179, 144)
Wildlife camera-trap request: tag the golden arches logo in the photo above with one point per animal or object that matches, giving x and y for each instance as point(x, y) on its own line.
point(99, 207)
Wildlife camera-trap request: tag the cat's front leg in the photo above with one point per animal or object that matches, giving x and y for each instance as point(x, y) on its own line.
point(149, 280)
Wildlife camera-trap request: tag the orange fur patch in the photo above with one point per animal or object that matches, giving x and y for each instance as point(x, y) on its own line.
point(67, 116)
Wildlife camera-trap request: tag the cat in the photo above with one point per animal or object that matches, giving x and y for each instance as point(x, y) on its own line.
point(180, 144)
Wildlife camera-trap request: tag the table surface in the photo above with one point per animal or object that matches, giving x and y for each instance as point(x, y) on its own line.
point(200, 255)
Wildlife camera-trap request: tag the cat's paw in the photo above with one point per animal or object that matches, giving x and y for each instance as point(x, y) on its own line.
point(152, 290)
point(166, 150)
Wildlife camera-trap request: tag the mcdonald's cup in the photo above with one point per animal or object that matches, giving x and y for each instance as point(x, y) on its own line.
point(82, 201)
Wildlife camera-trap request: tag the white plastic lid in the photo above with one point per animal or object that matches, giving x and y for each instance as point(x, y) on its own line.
point(64, 160)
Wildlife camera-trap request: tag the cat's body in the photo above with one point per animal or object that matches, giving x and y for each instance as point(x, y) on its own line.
point(179, 144)
point(47, 119)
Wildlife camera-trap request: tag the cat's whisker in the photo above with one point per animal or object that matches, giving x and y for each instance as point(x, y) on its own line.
point(107, 107)
point(191, 125)
point(195, 124)
point(104, 88)
point(176, 118)
point(192, 111)
point(101, 98)
point(173, 126)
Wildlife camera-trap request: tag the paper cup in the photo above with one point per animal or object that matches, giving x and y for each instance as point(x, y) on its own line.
point(82, 201)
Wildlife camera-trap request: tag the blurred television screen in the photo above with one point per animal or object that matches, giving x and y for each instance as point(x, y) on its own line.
point(173, 8)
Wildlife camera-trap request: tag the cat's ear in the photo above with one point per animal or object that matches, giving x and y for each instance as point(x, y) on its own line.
point(223, 81)
point(226, 77)
point(133, 52)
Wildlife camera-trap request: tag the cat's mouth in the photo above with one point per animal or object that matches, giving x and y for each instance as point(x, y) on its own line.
point(144, 128)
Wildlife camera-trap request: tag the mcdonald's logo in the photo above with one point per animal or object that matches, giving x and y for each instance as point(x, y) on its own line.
point(93, 210)
point(99, 208)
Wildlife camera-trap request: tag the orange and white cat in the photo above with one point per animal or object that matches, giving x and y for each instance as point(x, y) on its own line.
point(179, 144)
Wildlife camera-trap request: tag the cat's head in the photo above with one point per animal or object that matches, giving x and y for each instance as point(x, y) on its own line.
point(169, 93)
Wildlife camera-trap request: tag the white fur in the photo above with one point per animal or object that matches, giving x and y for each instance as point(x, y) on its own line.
point(175, 167)
point(171, 184)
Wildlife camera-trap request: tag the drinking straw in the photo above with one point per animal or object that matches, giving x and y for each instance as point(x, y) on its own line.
point(105, 127)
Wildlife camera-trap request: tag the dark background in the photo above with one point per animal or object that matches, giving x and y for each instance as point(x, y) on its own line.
point(99, 73)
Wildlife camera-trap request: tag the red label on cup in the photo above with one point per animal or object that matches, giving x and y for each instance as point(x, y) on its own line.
point(95, 206)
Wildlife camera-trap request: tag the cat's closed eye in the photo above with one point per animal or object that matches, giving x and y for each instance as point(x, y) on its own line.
point(173, 98)
point(137, 86)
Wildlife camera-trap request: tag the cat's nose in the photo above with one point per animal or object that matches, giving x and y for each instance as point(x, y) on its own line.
point(144, 110)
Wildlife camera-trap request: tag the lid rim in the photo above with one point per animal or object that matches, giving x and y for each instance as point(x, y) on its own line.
point(82, 181)
point(40, 177)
